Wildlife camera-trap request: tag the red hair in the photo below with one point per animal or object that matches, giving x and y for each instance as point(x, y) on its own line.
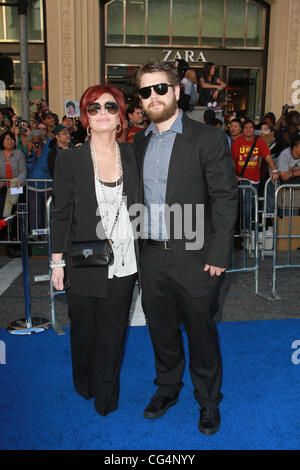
point(93, 93)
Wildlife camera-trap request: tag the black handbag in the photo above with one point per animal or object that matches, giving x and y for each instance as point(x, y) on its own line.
point(90, 254)
point(98, 253)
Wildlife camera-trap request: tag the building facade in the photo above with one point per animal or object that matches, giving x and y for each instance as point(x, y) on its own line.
point(77, 43)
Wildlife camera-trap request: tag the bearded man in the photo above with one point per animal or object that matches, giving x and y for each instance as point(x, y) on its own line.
point(187, 165)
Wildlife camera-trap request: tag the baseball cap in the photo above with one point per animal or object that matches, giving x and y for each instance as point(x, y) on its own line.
point(58, 128)
point(45, 114)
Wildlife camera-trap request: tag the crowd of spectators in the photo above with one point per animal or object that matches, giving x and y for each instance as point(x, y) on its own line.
point(28, 149)
point(27, 152)
point(276, 153)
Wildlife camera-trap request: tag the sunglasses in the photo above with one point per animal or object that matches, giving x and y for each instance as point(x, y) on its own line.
point(110, 107)
point(160, 89)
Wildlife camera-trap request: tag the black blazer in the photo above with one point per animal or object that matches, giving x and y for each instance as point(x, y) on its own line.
point(74, 207)
point(201, 171)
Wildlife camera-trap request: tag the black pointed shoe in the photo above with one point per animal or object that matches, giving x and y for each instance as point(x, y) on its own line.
point(159, 405)
point(210, 420)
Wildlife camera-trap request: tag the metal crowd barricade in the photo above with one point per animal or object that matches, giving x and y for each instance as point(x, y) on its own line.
point(29, 324)
point(248, 232)
point(286, 198)
point(15, 237)
point(37, 194)
point(38, 228)
point(268, 213)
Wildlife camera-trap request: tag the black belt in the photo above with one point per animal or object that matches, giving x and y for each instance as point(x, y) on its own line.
point(165, 245)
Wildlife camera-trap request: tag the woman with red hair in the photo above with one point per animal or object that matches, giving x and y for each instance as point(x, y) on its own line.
point(94, 185)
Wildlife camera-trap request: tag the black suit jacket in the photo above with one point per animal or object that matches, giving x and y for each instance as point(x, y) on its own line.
point(74, 211)
point(201, 171)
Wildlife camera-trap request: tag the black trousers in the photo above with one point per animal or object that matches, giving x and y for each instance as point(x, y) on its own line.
point(167, 304)
point(98, 331)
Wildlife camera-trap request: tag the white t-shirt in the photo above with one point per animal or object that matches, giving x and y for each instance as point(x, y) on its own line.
point(286, 161)
point(122, 236)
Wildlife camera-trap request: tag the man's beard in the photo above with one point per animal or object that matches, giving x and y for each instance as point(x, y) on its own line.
point(161, 116)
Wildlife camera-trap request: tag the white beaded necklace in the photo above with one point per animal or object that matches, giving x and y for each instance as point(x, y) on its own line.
point(117, 202)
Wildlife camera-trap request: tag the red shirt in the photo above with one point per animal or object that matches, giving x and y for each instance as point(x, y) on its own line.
point(8, 172)
point(131, 133)
point(240, 149)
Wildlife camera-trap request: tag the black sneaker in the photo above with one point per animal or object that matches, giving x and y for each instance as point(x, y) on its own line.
point(210, 420)
point(159, 405)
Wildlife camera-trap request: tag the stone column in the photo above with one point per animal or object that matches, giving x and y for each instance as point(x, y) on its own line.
point(73, 47)
point(284, 57)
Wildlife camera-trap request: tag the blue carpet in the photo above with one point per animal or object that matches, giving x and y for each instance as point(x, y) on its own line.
point(40, 410)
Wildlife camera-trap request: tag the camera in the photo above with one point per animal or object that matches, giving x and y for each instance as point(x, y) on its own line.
point(22, 130)
point(287, 107)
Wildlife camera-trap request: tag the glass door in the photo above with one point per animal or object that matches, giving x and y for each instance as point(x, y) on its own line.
point(244, 91)
point(120, 76)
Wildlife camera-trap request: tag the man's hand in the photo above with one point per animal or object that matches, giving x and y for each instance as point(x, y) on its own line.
point(214, 270)
point(275, 176)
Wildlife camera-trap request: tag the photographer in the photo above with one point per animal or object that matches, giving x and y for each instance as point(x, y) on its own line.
point(21, 130)
point(41, 107)
point(286, 128)
point(37, 169)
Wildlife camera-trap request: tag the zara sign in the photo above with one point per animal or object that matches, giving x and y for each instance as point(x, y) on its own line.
point(187, 55)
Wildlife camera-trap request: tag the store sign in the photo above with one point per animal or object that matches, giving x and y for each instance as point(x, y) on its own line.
point(187, 55)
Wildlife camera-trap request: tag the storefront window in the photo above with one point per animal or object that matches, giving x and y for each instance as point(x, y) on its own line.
point(212, 22)
point(37, 82)
point(185, 29)
point(255, 25)
point(235, 23)
point(10, 27)
point(120, 76)
point(159, 22)
point(12, 23)
point(115, 22)
point(208, 23)
point(135, 21)
point(34, 22)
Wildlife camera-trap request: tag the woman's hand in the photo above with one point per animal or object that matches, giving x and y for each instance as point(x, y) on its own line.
point(57, 278)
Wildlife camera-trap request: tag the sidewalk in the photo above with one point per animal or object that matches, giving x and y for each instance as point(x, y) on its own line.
point(237, 300)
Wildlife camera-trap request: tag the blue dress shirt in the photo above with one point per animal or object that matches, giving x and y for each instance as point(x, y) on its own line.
point(155, 173)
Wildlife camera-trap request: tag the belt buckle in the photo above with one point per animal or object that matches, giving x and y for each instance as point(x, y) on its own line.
point(166, 247)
